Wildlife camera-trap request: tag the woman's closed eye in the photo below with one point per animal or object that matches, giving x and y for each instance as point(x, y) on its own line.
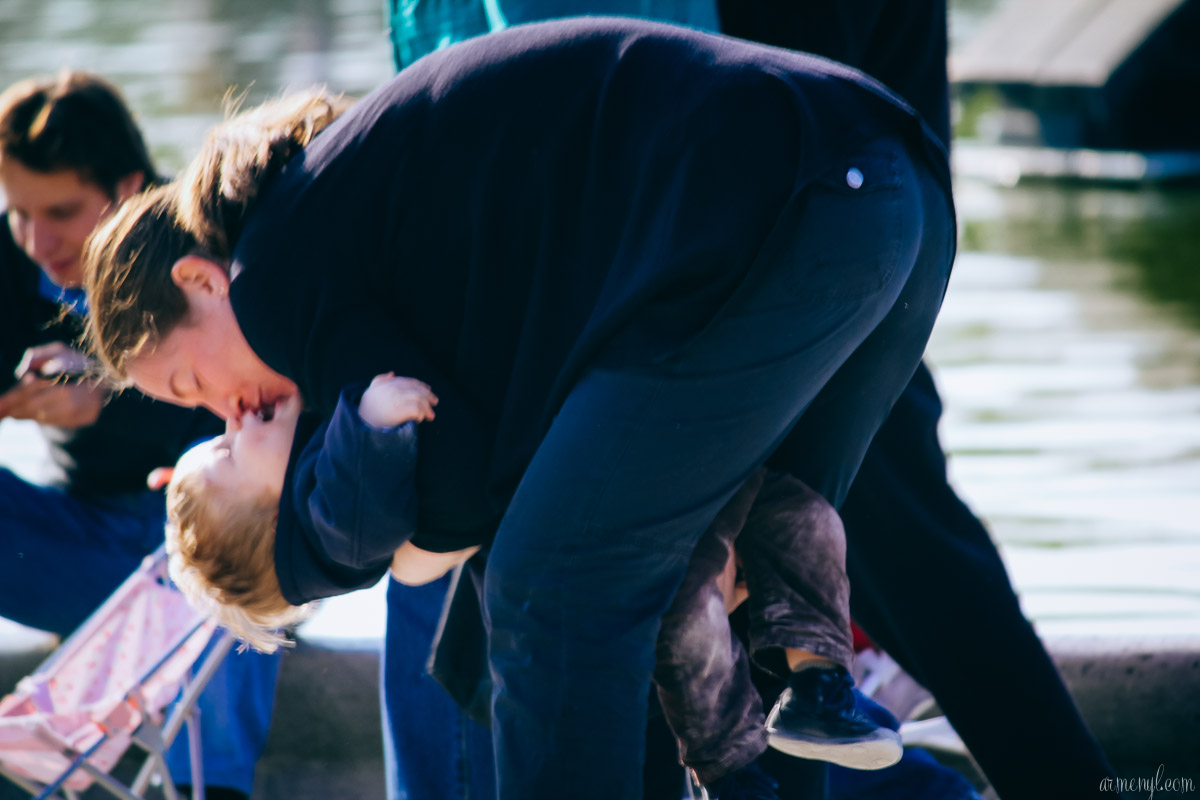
point(187, 388)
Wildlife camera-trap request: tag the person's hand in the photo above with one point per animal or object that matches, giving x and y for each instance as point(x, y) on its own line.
point(391, 401)
point(159, 477)
point(42, 396)
point(52, 360)
point(48, 402)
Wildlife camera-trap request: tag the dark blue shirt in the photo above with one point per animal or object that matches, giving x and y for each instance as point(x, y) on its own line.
point(513, 209)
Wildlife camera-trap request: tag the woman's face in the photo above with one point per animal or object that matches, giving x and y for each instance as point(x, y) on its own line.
point(205, 360)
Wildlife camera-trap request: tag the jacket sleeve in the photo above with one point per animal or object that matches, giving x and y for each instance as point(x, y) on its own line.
point(363, 502)
point(26, 318)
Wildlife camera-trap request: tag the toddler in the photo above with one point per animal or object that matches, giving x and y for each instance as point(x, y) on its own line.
point(224, 503)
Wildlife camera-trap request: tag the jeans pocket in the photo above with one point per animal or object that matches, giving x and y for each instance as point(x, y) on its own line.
point(839, 240)
point(854, 234)
point(835, 250)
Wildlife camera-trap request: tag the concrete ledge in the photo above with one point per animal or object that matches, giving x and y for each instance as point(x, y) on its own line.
point(21, 650)
point(1141, 698)
point(325, 739)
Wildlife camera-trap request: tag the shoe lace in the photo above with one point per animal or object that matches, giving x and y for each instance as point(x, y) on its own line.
point(838, 692)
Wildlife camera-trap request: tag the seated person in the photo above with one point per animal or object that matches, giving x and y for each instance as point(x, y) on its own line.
point(352, 489)
point(70, 153)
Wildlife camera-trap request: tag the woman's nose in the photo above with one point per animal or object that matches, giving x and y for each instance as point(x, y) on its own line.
point(228, 409)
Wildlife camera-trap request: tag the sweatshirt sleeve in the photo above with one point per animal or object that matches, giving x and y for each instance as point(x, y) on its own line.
point(363, 501)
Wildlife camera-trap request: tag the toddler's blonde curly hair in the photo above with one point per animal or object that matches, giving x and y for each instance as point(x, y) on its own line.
point(222, 557)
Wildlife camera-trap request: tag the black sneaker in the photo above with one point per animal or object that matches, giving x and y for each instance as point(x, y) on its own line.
point(747, 783)
point(817, 717)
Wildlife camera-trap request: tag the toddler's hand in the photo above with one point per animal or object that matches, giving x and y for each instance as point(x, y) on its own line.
point(391, 401)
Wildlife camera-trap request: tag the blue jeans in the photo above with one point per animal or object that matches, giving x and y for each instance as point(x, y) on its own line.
point(431, 748)
point(831, 323)
point(61, 556)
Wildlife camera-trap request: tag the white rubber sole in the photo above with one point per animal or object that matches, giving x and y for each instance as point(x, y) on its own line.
point(876, 753)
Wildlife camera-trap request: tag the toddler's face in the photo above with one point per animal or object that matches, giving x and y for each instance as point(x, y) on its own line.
point(251, 458)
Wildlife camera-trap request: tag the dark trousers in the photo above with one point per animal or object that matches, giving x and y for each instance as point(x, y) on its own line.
point(793, 551)
point(639, 460)
point(930, 588)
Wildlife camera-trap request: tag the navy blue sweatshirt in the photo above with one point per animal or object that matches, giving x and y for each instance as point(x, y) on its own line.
point(515, 208)
point(133, 434)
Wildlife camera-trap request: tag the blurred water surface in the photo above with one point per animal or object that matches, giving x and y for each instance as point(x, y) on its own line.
point(1068, 350)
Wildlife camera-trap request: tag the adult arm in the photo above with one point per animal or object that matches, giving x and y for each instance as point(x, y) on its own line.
point(413, 566)
point(53, 401)
point(28, 324)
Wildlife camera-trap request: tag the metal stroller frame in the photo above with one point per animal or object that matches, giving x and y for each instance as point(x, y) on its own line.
point(133, 716)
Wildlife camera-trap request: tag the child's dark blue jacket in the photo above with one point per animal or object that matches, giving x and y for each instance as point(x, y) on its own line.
point(349, 501)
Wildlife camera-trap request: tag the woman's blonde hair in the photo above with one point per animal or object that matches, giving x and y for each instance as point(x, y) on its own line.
point(133, 302)
point(222, 557)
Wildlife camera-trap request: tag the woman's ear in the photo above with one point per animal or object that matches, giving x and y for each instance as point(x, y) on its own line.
point(199, 277)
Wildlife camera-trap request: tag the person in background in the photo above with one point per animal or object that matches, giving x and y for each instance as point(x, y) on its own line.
point(928, 584)
point(70, 152)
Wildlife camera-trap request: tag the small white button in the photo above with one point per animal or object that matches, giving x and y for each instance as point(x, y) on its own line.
point(854, 178)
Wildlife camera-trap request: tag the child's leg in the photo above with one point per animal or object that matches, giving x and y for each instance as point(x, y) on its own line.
point(702, 672)
point(793, 551)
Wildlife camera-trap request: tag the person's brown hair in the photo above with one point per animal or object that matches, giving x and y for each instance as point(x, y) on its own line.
point(77, 121)
point(132, 300)
point(222, 557)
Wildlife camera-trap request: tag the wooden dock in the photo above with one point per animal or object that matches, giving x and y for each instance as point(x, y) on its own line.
point(1059, 42)
point(1089, 74)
